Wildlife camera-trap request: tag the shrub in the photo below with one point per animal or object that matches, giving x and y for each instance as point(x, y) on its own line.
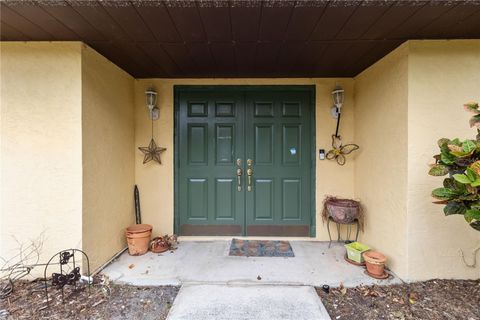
point(460, 160)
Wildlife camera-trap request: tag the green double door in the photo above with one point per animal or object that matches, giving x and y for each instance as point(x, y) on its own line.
point(244, 161)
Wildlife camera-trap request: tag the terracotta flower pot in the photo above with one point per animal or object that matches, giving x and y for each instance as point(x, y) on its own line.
point(375, 262)
point(138, 238)
point(159, 245)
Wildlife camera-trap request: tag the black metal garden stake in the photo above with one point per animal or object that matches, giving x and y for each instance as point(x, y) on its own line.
point(138, 214)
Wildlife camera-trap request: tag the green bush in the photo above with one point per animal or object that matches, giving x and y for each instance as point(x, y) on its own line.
point(460, 160)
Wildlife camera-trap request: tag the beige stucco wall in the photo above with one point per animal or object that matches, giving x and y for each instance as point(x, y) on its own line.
point(67, 150)
point(381, 104)
point(156, 182)
point(413, 97)
point(443, 75)
point(41, 161)
point(108, 156)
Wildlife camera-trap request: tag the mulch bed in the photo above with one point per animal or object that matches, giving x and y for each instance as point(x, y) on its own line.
point(434, 299)
point(104, 301)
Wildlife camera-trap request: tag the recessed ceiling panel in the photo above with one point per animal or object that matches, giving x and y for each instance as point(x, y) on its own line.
point(239, 38)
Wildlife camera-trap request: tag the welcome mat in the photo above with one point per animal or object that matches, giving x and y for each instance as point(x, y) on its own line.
point(260, 248)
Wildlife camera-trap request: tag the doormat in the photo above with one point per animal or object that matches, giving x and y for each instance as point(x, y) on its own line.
point(260, 248)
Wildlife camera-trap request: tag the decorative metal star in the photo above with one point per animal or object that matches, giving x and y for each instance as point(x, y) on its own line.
point(152, 152)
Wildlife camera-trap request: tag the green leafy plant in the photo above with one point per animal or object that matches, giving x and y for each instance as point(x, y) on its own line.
point(460, 160)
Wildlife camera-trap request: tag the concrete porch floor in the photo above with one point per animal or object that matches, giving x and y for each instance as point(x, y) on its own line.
point(208, 262)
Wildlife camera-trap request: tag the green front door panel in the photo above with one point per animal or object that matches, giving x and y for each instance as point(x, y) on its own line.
point(271, 127)
point(210, 138)
point(277, 140)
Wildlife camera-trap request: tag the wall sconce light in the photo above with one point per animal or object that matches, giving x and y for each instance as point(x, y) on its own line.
point(339, 150)
point(152, 151)
point(151, 101)
point(338, 98)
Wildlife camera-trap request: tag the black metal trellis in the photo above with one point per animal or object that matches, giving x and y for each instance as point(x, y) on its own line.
point(65, 277)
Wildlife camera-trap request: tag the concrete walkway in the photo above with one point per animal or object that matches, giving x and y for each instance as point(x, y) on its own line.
point(258, 302)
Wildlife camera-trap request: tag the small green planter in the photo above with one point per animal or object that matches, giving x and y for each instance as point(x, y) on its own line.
point(355, 250)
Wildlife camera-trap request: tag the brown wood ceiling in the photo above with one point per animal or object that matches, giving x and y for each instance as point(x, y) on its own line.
point(180, 39)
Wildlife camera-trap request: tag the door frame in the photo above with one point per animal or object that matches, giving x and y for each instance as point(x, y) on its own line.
point(311, 89)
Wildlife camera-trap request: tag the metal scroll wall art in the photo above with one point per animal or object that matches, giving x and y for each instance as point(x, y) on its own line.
point(339, 150)
point(69, 271)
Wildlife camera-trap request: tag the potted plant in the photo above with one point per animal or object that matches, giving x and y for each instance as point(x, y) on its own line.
point(460, 160)
point(343, 211)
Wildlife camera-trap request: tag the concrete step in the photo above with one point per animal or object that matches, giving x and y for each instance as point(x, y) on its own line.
point(250, 302)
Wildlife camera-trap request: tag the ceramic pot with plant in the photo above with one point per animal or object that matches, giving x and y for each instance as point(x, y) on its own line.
point(375, 262)
point(343, 211)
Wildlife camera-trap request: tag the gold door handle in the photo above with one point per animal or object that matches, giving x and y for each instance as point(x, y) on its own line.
point(239, 179)
point(249, 174)
point(239, 175)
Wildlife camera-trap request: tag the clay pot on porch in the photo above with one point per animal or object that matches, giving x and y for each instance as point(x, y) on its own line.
point(159, 245)
point(375, 262)
point(138, 238)
point(342, 211)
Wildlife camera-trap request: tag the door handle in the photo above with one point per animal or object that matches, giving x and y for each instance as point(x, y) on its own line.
point(249, 174)
point(239, 179)
point(239, 175)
